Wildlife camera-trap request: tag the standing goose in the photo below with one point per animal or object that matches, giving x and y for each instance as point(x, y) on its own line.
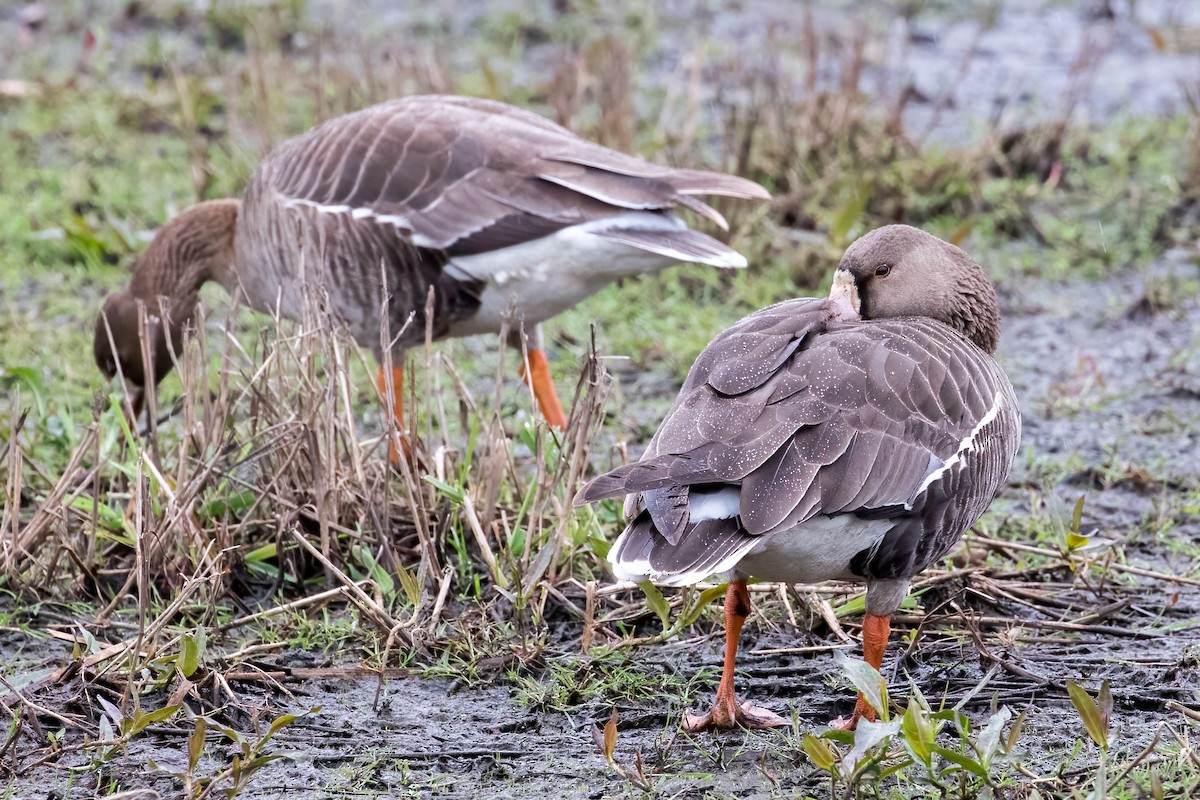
point(854, 438)
point(495, 209)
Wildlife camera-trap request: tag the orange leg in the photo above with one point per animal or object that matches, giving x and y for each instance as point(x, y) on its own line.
point(875, 638)
point(538, 378)
point(726, 713)
point(381, 380)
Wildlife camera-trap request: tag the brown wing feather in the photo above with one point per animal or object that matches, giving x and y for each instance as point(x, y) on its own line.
point(447, 169)
point(809, 416)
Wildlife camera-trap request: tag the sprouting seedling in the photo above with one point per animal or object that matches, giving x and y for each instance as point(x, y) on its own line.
point(1076, 540)
point(1096, 714)
point(606, 740)
point(918, 734)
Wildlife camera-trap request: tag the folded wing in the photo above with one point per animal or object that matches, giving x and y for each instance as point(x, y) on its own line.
point(804, 416)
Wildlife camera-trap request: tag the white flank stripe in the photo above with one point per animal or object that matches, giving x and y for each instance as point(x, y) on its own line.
point(294, 202)
point(397, 220)
point(964, 447)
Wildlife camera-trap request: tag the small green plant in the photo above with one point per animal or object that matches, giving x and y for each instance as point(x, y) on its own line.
point(251, 756)
point(1096, 714)
point(606, 740)
point(116, 729)
point(929, 751)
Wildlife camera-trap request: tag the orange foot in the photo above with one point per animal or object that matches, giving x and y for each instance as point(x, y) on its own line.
point(724, 716)
point(862, 710)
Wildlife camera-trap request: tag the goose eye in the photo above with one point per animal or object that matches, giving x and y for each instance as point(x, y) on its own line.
point(882, 271)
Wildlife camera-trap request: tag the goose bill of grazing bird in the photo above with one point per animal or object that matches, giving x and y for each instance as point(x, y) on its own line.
point(854, 437)
point(499, 213)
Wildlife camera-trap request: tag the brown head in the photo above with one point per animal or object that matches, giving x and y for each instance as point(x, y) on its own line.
point(195, 247)
point(901, 271)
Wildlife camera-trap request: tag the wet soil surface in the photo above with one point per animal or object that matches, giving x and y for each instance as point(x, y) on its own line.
point(1110, 387)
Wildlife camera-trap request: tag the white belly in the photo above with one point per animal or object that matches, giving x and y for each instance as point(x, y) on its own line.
point(818, 550)
point(536, 280)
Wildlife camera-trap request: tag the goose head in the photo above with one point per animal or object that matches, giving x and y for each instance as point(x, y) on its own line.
point(901, 271)
point(160, 300)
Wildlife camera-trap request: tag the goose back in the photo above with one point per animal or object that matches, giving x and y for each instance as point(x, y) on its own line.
point(380, 206)
point(899, 429)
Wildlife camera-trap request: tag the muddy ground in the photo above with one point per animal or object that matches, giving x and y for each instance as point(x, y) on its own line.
point(1110, 392)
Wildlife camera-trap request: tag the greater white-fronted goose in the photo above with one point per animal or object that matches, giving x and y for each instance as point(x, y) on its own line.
point(853, 437)
point(494, 209)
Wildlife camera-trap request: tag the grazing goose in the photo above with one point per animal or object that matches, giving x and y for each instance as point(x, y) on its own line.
point(854, 437)
point(493, 209)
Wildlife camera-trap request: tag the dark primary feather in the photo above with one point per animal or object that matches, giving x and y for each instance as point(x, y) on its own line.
point(811, 416)
point(701, 552)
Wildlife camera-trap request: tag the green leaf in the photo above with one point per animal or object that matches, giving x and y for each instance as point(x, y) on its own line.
point(188, 660)
point(1089, 712)
point(839, 735)
point(693, 612)
point(1077, 515)
point(918, 733)
point(819, 753)
point(232, 734)
point(455, 494)
point(656, 601)
point(989, 738)
point(31, 379)
point(516, 541)
point(258, 762)
point(282, 721)
point(955, 718)
point(854, 607)
point(279, 723)
point(263, 553)
point(967, 763)
point(867, 680)
point(233, 504)
point(196, 744)
point(599, 546)
point(899, 766)
point(144, 719)
point(106, 516)
point(409, 585)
